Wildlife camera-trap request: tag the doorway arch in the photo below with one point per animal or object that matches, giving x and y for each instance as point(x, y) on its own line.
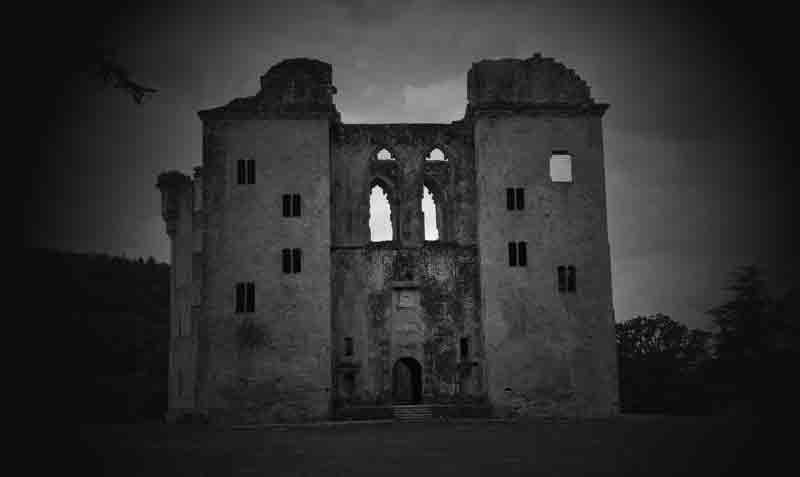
point(407, 381)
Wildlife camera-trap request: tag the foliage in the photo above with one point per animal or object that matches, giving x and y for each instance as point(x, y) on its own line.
point(757, 343)
point(742, 365)
point(661, 362)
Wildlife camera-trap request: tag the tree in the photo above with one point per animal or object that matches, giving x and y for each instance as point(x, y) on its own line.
point(756, 342)
point(661, 364)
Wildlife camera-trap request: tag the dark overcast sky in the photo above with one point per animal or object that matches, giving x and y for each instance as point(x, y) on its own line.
point(698, 168)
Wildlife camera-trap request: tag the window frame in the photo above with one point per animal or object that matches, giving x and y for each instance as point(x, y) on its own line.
point(349, 348)
point(244, 297)
point(518, 254)
point(245, 171)
point(559, 153)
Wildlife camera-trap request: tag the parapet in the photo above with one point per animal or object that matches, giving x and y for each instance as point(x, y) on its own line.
point(536, 84)
point(297, 88)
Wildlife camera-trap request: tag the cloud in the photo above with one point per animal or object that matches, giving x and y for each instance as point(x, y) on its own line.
point(443, 101)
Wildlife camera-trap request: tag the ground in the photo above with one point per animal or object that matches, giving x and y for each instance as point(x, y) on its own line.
point(650, 446)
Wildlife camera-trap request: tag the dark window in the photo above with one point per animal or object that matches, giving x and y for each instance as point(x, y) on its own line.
point(297, 258)
point(241, 172)
point(349, 385)
point(515, 198)
point(464, 348)
point(246, 171)
point(286, 255)
point(512, 254)
point(562, 278)
point(245, 297)
point(291, 205)
point(292, 259)
point(287, 205)
point(295, 205)
point(251, 171)
point(522, 254)
point(570, 278)
point(348, 346)
point(180, 383)
point(517, 254)
point(250, 301)
point(240, 297)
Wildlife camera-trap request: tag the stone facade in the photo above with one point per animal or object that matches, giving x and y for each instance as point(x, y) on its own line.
point(364, 325)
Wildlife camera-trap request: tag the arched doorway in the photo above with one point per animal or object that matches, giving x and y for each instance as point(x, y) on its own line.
point(407, 381)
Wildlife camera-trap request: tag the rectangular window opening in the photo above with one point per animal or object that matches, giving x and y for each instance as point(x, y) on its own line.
point(512, 254)
point(251, 171)
point(515, 198)
point(561, 166)
point(464, 348)
point(297, 258)
point(286, 256)
point(240, 298)
point(250, 305)
point(246, 171)
point(571, 278)
point(522, 254)
point(348, 346)
point(240, 172)
point(287, 205)
point(562, 279)
point(296, 205)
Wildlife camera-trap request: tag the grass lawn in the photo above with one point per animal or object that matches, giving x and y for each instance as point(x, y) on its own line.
point(629, 445)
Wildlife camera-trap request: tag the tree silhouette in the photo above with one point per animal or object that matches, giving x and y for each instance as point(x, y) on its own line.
point(661, 365)
point(757, 341)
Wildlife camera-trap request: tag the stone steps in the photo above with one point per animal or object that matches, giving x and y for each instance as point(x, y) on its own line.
point(412, 413)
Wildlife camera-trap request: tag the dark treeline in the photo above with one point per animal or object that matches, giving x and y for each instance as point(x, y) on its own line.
point(112, 323)
point(112, 316)
point(740, 366)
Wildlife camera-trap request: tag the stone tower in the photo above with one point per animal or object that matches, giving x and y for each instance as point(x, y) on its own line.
point(284, 309)
point(548, 322)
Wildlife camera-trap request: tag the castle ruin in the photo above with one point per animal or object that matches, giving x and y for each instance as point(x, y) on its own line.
point(284, 309)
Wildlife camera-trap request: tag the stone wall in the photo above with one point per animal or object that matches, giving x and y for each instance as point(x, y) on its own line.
point(549, 352)
point(177, 204)
point(355, 171)
point(272, 364)
point(417, 303)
